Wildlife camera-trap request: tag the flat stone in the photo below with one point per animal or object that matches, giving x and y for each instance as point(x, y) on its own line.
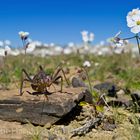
point(37, 109)
point(76, 82)
point(88, 97)
point(108, 88)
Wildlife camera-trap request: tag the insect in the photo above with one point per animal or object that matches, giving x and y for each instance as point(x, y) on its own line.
point(42, 81)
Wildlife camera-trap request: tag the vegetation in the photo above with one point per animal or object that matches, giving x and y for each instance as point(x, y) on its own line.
point(121, 69)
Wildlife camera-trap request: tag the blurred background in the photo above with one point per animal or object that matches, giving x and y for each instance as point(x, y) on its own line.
point(61, 21)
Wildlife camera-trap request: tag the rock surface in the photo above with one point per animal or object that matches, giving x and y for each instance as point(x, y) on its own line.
point(18, 131)
point(136, 97)
point(76, 82)
point(108, 88)
point(36, 109)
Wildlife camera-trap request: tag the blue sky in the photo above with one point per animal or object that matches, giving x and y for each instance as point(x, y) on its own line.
point(60, 21)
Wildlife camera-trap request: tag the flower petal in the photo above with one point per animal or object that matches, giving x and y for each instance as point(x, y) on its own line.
point(135, 29)
point(130, 22)
point(134, 12)
point(136, 17)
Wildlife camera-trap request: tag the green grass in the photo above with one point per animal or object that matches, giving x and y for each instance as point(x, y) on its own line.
point(117, 68)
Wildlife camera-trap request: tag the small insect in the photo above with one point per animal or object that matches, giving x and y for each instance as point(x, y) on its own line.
point(41, 81)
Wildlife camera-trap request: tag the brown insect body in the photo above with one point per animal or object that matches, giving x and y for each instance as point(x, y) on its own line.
point(41, 81)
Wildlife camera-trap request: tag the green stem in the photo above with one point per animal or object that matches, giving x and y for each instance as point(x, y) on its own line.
point(24, 58)
point(23, 42)
point(90, 86)
point(129, 38)
point(137, 38)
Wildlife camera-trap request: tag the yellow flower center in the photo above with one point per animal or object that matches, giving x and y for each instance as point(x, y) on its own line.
point(138, 22)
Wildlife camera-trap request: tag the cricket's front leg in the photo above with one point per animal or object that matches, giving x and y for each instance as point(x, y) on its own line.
point(28, 79)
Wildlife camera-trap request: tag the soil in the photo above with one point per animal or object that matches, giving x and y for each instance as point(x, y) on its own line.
point(62, 131)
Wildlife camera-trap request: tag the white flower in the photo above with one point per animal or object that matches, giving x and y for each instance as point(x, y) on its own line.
point(91, 37)
point(67, 51)
point(31, 47)
point(86, 64)
point(117, 41)
point(96, 64)
point(2, 52)
point(84, 33)
point(23, 35)
point(7, 48)
point(7, 42)
point(133, 20)
point(134, 12)
point(86, 37)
